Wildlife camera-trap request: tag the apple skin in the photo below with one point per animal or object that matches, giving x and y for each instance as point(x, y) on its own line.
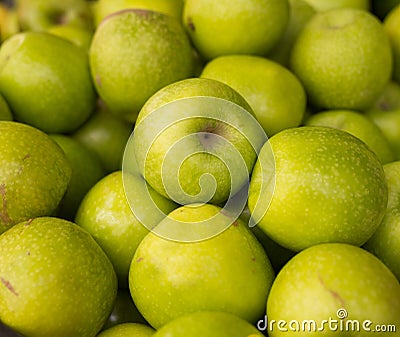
point(106, 7)
point(275, 94)
point(5, 112)
point(86, 171)
point(214, 123)
point(38, 15)
point(322, 279)
point(106, 135)
point(392, 28)
point(80, 36)
point(128, 329)
point(208, 324)
point(227, 272)
point(249, 27)
point(52, 76)
point(335, 56)
point(34, 174)
point(328, 186)
point(324, 5)
point(63, 284)
point(121, 51)
point(385, 243)
point(106, 214)
point(359, 126)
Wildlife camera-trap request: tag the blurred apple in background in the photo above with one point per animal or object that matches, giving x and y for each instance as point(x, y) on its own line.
point(128, 329)
point(46, 81)
point(343, 58)
point(104, 8)
point(391, 24)
point(323, 5)
point(359, 126)
point(385, 113)
point(249, 27)
point(5, 112)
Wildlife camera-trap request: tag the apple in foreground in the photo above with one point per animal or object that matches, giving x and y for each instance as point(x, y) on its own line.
point(196, 140)
point(328, 187)
point(228, 271)
point(63, 284)
point(331, 289)
point(208, 324)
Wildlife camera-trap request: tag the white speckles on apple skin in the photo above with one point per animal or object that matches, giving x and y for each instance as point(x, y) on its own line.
point(329, 188)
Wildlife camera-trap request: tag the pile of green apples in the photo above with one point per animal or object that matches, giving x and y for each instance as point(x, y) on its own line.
point(199, 168)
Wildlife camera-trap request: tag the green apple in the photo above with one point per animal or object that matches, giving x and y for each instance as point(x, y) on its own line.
point(300, 13)
point(385, 113)
point(124, 311)
point(275, 94)
point(107, 7)
point(385, 243)
point(334, 289)
point(105, 213)
point(82, 37)
point(382, 7)
point(128, 329)
point(208, 324)
point(63, 284)
point(86, 171)
point(106, 135)
point(324, 5)
point(359, 126)
point(328, 187)
point(227, 272)
point(196, 141)
point(5, 112)
point(133, 54)
point(9, 24)
point(248, 27)
point(34, 174)
point(46, 81)
point(344, 59)
point(38, 15)
point(391, 25)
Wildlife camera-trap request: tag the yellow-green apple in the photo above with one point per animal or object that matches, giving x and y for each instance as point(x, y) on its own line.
point(128, 329)
point(78, 35)
point(315, 184)
point(196, 141)
point(344, 59)
point(63, 284)
point(208, 324)
point(300, 13)
point(359, 126)
point(34, 174)
point(106, 135)
point(46, 81)
point(9, 24)
point(227, 272)
point(385, 243)
point(133, 54)
point(106, 7)
point(106, 214)
point(274, 93)
point(334, 289)
point(86, 171)
point(324, 5)
point(248, 27)
point(38, 15)
point(385, 113)
point(391, 25)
